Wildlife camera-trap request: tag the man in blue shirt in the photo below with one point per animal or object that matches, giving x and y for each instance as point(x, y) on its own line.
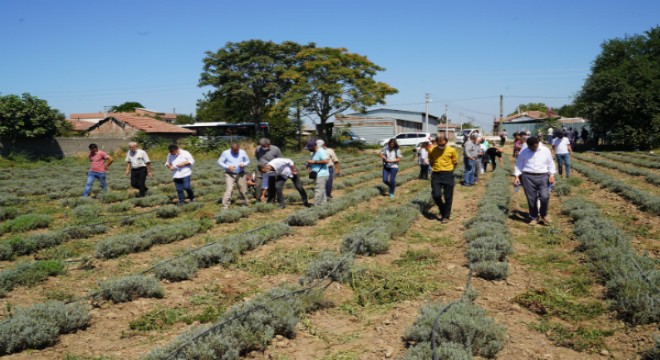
point(234, 161)
point(318, 164)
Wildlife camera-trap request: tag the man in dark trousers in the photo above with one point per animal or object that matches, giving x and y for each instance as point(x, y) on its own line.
point(264, 153)
point(279, 170)
point(535, 170)
point(491, 154)
point(443, 160)
point(138, 166)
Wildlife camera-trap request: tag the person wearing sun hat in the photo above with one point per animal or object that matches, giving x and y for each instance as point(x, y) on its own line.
point(318, 170)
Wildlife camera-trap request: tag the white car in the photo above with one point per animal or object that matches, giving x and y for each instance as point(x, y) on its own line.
point(410, 138)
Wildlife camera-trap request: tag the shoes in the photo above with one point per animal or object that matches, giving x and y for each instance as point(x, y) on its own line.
point(533, 222)
point(546, 220)
point(281, 206)
point(391, 196)
point(444, 220)
point(306, 203)
point(181, 203)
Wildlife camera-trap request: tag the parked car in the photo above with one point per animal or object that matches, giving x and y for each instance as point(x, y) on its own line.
point(351, 137)
point(410, 138)
point(468, 132)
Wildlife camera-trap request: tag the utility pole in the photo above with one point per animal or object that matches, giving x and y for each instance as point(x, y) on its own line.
point(501, 107)
point(447, 124)
point(426, 119)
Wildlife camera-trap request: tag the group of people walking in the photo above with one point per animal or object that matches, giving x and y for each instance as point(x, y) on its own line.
point(273, 170)
point(534, 170)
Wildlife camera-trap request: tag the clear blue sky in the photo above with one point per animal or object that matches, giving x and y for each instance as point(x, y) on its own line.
point(83, 55)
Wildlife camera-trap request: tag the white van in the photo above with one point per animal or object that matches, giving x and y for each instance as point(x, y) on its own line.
point(410, 138)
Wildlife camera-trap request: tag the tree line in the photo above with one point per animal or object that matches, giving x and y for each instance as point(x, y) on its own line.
point(257, 81)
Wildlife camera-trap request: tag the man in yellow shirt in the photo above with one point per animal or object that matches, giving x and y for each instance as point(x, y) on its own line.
point(443, 160)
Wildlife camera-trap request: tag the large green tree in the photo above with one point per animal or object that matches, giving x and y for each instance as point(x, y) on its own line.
point(327, 81)
point(621, 96)
point(247, 77)
point(28, 117)
point(128, 106)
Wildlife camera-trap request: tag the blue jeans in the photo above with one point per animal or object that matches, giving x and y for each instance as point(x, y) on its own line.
point(564, 159)
point(389, 178)
point(470, 168)
point(182, 184)
point(91, 176)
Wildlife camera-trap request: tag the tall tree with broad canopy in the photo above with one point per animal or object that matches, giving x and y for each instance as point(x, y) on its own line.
point(28, 117)
point(247, 76)
point(128, 106)
point(327, 81)
point(621, 97)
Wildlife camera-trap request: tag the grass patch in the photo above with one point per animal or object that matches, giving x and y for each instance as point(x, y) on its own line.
point(555, 302)
point(545, 261)
point(383, 286)
point(280, 260)
point(59, 295)
point(579, 339)
point(414, 258)
point(163, 318)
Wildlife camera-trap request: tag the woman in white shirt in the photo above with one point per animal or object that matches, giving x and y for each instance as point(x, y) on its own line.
point(391, 156)
point(562, 148)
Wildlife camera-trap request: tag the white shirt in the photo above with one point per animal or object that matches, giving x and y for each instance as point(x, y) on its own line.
point(550, 130)
point(182, 157)
point(137, 158)
point(333, 157)
point(281, 167)
point(536, 162)
point(561, 145)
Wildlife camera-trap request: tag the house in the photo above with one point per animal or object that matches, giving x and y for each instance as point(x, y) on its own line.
point(126, 125)
point(533, 120)
point(167, 117)
point(378, 124)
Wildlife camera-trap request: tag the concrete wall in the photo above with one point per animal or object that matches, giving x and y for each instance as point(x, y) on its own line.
point(60, 147)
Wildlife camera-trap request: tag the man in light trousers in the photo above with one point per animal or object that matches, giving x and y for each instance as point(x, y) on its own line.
point(318, 164)
point(234, 161)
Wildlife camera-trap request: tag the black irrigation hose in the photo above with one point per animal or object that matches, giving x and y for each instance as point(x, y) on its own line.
point(436, 322)
point(221, 325)
point(199, 248)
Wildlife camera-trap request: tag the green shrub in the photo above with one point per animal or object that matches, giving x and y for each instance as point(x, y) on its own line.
point(178, 269)
point(262, 207)
point(130, 288)
point(120, 207)
point(8, 200)
point(112, 196)
point(168, 212)
point(331, 265)
point(248, 327)
point(8, 213)
point(305, 217)
point(30, 273)
point(491, 270)
point(463, 324)
point(152, 200)
point(26, 222)
point(367, 241)
point(444, 351)
point(87, 211)
point(228, 216)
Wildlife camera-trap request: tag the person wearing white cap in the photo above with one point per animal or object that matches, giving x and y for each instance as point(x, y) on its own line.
point(318, 166)
point(333, 167)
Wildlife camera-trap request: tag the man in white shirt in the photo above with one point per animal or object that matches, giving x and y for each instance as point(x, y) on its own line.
point(562, 148)
point(279, 170)
point(180, 163)
point(138, 166)
point(535, 170)
point(234, 161)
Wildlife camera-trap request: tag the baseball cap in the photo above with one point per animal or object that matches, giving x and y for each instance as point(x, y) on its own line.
point(311, 144)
